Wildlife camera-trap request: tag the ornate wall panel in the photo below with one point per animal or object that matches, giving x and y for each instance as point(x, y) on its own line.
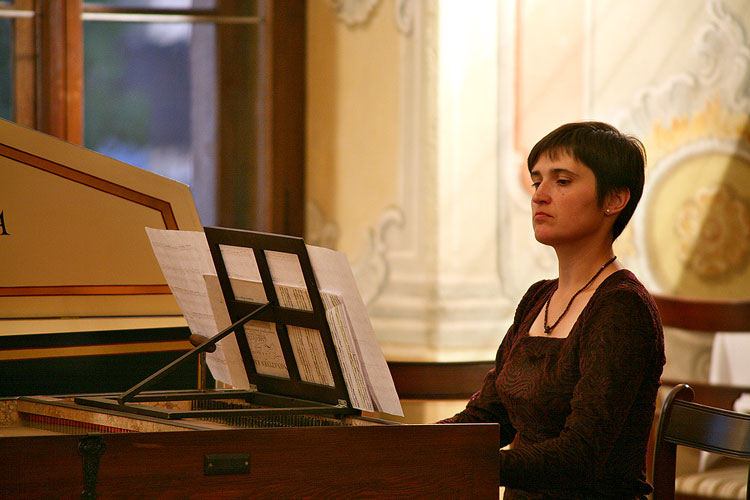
point(446, 260)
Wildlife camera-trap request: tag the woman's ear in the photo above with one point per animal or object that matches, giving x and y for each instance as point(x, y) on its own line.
point(616, 200)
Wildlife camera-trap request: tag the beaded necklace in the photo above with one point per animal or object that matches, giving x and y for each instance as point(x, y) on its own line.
point(548, 328)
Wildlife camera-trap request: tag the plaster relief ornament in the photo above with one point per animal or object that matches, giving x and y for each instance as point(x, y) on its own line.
point(353, 12)
point(713, 228)
point(695, 128)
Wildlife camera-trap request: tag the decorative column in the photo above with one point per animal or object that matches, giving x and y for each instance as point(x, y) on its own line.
point(431, 275)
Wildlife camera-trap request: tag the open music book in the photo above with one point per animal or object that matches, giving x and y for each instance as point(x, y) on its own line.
point(186, 262)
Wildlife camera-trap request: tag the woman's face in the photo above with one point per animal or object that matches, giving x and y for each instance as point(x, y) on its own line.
point(564, 206)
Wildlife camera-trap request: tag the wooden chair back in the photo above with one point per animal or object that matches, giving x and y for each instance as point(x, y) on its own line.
point(708, 315)
point(685, 423)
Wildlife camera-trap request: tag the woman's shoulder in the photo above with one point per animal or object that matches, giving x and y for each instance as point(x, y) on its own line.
point(623, 285)
point(622, 298)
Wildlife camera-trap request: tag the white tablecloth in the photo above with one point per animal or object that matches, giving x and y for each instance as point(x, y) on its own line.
point(730, 359)
point(730, 365)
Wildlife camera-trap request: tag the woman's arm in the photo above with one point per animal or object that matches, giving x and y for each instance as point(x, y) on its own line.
point(485, 405)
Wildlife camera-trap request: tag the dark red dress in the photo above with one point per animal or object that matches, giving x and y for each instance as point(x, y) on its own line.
point(579, 408)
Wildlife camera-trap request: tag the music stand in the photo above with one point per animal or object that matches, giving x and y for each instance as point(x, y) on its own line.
point(277, 395)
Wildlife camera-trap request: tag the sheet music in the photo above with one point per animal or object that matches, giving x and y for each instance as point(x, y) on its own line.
point(184, 258)
point(334, 274)
point(307, 344)
point(188, 268)
point(232, 356)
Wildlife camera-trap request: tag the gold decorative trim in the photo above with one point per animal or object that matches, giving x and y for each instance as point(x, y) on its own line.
point(164, 207)
point(34, 291)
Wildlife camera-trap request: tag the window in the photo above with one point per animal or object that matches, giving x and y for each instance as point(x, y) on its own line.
point(6, 75)
point(189, 89)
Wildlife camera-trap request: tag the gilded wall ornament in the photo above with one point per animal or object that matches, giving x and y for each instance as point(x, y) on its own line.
point(690, 231)
point(713, 228)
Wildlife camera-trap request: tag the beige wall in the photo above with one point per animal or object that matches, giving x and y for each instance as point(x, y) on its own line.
point(352, 119)
point(420, 114)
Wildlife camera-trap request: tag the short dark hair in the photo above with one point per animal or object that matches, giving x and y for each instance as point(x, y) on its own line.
point(617, 160)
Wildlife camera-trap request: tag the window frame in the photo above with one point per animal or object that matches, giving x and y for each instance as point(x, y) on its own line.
point(263, 193)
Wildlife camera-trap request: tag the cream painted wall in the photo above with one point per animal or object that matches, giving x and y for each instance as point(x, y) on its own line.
point(420, 114)
point(352, 120)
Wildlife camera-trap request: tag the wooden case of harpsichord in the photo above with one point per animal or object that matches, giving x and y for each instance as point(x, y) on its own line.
point(85, 309)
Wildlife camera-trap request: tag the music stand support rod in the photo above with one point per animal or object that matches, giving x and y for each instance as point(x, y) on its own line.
point(133, 391)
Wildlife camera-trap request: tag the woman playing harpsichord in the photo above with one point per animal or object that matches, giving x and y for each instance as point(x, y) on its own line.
point(576, 376)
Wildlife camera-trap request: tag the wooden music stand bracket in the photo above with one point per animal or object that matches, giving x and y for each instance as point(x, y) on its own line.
point(276, 395)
